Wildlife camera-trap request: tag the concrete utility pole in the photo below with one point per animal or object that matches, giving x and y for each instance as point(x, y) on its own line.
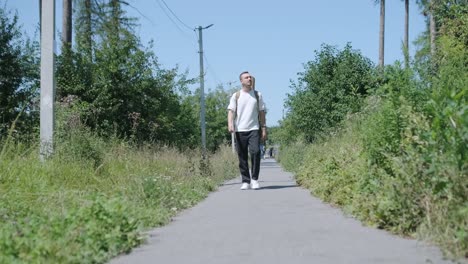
point(382, 35)
point(47, 78)
point(432, 29)
point(202, 90)
point(406, 40)
point(40, 16)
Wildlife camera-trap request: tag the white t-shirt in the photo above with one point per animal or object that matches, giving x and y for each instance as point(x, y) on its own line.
point(247, 112)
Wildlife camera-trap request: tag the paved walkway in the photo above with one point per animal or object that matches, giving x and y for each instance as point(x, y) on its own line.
point(280, 223)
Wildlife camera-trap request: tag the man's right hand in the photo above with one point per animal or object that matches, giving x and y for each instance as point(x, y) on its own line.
point(231, 128)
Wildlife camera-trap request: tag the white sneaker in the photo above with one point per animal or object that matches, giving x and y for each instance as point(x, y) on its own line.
point(245, 186)
point(254, 184)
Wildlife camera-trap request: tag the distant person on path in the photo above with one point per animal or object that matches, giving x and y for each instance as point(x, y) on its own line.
point(246, 118)
point(271, 152)
point(262, 150)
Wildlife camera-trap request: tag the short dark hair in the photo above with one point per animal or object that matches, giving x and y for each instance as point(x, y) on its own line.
point(240, 75)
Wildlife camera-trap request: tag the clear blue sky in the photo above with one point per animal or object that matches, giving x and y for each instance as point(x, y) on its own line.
point(271, 39)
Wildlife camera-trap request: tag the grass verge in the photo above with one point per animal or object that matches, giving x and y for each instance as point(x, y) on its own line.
point(416, 192)
point(92, 200)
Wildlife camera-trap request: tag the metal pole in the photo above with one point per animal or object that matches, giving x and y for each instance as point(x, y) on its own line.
point(202, 92)
point(432, 29)
point(382, 35)
point(406, 41)
point(40, 16)
point(47, 78)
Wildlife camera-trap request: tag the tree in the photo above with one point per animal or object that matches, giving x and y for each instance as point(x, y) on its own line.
point(433, 9)
point(84, 33)
point(117, 85)
point(440, 14)
point(216, 127)
point(18, 74)
point(67, 22)
point(331, 86)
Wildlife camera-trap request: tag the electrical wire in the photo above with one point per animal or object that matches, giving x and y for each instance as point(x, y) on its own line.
point(209, 68)
point(172, 20)
point(143, 15)
point(170, 10)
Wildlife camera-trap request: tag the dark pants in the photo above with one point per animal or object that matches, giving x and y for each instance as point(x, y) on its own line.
point(248, 142)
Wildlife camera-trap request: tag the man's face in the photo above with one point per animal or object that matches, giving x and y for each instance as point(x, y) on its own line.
point(246, 80)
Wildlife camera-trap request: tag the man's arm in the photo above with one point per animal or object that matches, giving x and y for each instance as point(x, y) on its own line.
point(262, 118)
point(263, 127)
point(230, 121)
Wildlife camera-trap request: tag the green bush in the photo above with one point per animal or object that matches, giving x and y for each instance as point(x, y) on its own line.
point(413, 192)
point(331, 86)
point(401, 163)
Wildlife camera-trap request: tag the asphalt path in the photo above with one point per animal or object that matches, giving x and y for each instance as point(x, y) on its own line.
point(279, 223)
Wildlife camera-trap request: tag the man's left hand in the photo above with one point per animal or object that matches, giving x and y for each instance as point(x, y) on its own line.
point(264, 133)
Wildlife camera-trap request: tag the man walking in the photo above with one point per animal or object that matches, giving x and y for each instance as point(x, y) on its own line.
point(246, 118)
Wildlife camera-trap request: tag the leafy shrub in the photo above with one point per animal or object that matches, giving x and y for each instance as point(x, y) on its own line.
point(401, 163)
point(331, 86)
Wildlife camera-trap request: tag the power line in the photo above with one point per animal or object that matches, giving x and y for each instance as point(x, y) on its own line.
point(189, 28)
point(183, 32)
point(164, 2)
point(211, 70)
point(143, 15)
point(172, 20)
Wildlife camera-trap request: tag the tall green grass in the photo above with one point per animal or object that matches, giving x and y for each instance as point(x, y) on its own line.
point(415, 187)
point(93, 199)
point(404, 197)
